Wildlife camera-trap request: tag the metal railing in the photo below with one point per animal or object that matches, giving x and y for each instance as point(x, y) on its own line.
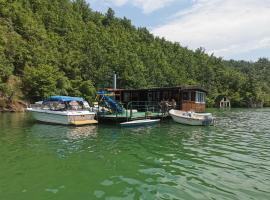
point(151, 109)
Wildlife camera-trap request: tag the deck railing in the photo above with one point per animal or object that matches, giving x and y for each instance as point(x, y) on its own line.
point(150, 108)
point(135, 110)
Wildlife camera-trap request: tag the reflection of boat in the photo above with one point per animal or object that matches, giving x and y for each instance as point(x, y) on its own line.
point(140, 122)
point(63, 110)
point(191, 118)
point(82, 132)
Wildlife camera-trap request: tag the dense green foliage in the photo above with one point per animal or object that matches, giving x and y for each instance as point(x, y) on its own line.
point(63, 47)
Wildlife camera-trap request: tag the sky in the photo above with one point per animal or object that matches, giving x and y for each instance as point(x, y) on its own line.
point(231, 29)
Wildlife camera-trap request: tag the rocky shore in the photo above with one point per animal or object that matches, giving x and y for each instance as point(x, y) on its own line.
point(14, 106)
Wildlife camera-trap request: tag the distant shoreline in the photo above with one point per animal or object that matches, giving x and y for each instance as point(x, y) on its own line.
point(22, 108)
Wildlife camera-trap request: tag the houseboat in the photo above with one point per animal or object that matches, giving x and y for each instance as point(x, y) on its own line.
point(185, 104)
point(63, 110)
point(185, 98)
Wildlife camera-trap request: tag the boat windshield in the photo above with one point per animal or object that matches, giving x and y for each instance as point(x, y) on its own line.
point(75, 105)
point(64, 105)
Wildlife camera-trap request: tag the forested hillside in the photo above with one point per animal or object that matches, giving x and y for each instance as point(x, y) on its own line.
point(50, 47)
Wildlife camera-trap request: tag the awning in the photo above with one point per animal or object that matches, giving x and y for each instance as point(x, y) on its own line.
point(64, 98)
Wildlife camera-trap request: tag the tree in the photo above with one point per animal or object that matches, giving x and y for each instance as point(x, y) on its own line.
point(64, 47)
point(109, 17)
point(44, 81)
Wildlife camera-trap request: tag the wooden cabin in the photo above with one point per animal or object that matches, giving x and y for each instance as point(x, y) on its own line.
point(222, 102)
point(187, 98)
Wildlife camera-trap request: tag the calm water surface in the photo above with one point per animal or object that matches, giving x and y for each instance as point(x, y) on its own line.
point(166, 161)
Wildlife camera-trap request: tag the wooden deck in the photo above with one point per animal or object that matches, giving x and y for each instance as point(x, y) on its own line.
point(84, 122)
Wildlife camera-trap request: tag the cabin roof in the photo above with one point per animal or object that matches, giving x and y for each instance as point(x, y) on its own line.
point(181, 88)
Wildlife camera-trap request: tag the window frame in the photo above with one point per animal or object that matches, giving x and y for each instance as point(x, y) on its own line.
point(200, 97)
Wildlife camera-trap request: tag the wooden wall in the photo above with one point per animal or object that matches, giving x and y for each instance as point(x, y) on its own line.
point(192, 106)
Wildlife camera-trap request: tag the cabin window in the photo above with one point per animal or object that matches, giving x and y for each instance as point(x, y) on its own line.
point(126, 97)
point(158, 96)
point(117, 98)
point(200, 97)
point(193, 96)
point(186, 96)
point(154, 96)
point(165, 95)
point(135, 96)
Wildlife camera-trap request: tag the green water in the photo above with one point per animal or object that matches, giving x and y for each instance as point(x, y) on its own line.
point(166, 161)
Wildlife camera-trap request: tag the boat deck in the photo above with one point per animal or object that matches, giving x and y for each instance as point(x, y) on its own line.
point(84, 122)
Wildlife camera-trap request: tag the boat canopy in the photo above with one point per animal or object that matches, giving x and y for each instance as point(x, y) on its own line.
point(64, 98)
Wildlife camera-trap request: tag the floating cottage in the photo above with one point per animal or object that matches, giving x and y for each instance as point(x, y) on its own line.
point(147, 103)
point(187, 98)
point(134, 104)
point(222, 102)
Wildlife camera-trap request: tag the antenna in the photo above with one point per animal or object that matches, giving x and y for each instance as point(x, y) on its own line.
point(114, 80)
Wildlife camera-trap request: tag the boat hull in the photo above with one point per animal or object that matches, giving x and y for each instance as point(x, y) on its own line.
point(201, 120)
point(63, 117)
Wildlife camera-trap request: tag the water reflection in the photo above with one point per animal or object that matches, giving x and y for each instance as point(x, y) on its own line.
point(62, 140)
point(83, 132)
point(54, 132)
point(140, 129)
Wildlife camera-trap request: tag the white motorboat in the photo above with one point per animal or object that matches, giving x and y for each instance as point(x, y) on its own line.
point(143, 122)
point(63, 110)
point(192, 118)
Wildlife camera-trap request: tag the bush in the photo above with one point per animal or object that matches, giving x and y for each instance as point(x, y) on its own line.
point(3, 103)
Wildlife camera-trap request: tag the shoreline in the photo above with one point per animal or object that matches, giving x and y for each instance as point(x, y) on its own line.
point(15, 107)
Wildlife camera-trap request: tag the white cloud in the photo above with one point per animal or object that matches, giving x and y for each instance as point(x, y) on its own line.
point(147, 6)
point(223, 27)
point(119, 2)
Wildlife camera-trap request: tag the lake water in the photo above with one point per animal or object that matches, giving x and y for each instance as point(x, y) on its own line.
point(167, 161)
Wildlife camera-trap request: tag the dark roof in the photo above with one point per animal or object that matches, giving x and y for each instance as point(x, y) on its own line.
point(220, 97)
point(182, 88)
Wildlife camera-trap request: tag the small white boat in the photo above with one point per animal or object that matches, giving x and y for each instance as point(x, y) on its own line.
point(63, 110)
point(192, 118)
point(143, 122)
